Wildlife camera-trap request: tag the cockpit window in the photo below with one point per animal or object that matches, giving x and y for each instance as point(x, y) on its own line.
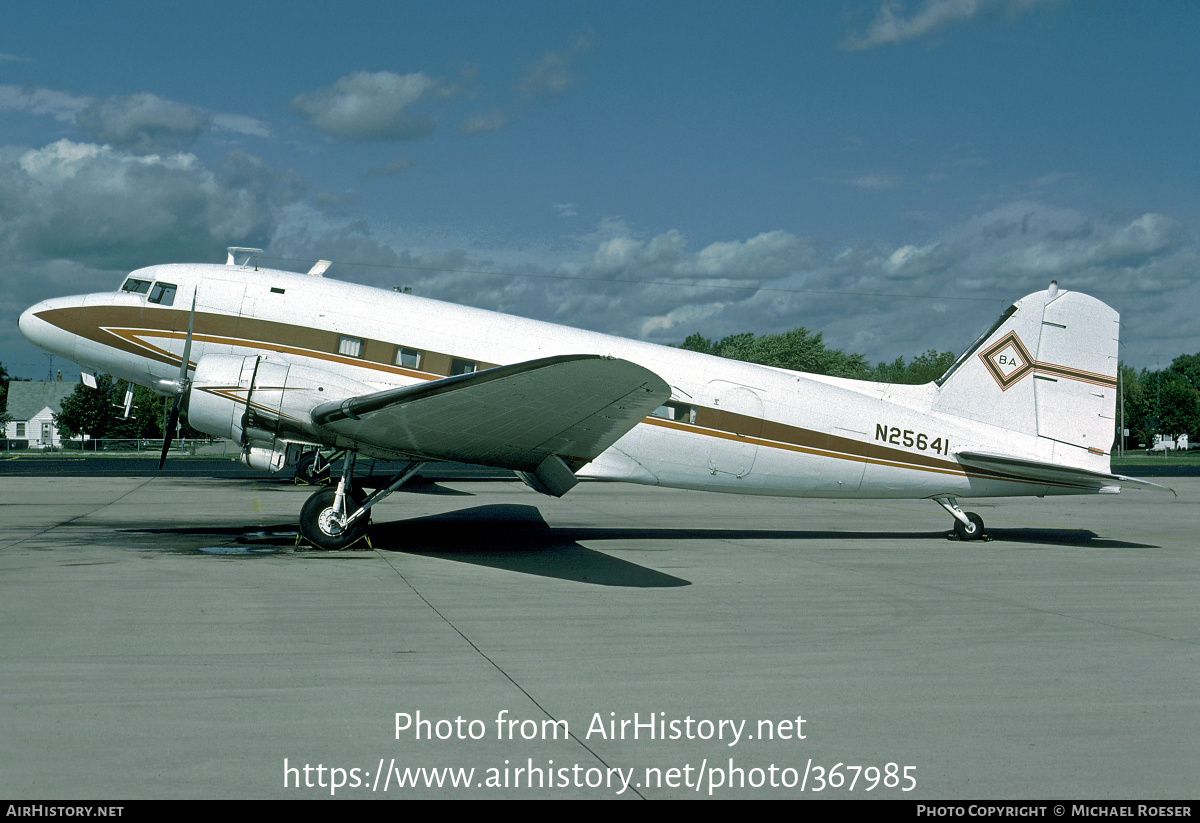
point(136, 286)
point(163, 294)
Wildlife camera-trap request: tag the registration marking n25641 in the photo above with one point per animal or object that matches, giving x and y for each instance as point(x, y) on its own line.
point(911, 439)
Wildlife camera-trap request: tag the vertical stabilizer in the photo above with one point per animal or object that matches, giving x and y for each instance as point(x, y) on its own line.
point(1047, 368)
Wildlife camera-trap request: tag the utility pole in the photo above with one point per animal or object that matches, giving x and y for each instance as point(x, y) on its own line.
point(1121, 394)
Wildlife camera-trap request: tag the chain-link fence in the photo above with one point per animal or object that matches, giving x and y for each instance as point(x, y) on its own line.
point(114, 446)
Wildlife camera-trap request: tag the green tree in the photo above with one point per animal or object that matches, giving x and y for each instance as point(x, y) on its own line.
point(1187, 366)
point(4, 418)
point(1160, 402)
point(700, 343)
point(801, 350)
point(923, 368)
point(87, 411)
point(1180, 408)
point(99, 412)
point(4, 378)
point(145, 416)
point(798, 350)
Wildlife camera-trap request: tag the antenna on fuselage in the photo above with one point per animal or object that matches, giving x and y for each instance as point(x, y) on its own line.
point(235, 251)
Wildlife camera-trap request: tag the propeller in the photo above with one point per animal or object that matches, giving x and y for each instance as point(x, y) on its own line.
point(181, 388)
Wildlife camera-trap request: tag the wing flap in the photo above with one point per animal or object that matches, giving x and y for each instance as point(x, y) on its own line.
point(1055, 473)
point(515, 416)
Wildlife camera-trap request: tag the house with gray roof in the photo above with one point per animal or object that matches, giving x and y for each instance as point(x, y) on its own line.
point(31, 410)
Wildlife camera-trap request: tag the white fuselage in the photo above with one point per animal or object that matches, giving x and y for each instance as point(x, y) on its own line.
point(731, 426)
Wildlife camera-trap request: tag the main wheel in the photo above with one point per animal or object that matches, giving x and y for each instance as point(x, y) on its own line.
point(971, 531)
point(308, 471)
point(319, 526)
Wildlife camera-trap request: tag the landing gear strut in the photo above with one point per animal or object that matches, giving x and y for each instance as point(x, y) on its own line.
point(967, 525)
point(335, 519)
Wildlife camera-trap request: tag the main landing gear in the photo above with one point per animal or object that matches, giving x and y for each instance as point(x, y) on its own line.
point(336, 518)
point(967, 525)
point(312, 468)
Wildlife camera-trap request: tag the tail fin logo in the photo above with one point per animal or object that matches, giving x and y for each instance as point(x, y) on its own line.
point(1007, 360)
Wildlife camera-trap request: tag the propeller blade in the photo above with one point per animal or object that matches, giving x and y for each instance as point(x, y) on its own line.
point(187, 343)
point(169, 432)
point(184, 385)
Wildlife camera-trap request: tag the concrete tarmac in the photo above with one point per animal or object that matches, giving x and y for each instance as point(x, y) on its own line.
point(162, 638)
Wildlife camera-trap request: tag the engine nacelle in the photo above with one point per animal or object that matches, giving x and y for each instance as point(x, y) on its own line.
point(272, 459)
point(262, 404)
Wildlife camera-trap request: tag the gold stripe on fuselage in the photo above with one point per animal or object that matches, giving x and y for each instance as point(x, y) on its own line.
point(299, 341)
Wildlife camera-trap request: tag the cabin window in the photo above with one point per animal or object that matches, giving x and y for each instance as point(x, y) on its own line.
point(462, 366)
point(350, 346)
point(408, 358)
point(676, 411)
point(20, 430)
point(136, 286)
point(163, 294)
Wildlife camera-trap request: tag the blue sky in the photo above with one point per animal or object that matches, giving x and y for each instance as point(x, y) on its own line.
point(889, 173)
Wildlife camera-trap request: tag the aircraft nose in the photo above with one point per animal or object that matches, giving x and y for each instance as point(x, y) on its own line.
point(29, 322)
point(48, 336)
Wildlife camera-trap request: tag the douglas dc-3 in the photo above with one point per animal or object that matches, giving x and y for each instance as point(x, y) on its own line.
point(280, 362)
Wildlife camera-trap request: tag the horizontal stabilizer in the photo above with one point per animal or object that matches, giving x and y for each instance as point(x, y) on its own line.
point(514, 417)
point(1054, 473)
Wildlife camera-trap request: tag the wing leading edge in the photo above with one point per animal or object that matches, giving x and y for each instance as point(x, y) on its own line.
point(546, 417)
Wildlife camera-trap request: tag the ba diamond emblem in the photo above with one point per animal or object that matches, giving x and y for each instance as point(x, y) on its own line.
point(1008, 360)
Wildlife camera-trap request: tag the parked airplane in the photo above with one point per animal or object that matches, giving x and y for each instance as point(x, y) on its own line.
point(280, 362)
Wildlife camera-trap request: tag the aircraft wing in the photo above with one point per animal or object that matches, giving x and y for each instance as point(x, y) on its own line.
point(545, 417)
point(1055, 473)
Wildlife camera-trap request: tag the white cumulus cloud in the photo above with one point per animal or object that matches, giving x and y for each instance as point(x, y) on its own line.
point(371, 106)
point(107, 208)
point(896, 23)
point(143, 123)
point(59, 105)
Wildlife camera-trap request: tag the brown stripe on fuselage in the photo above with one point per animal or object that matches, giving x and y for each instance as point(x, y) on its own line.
point(120, 326)
point(123, 324)
point(822, 444)
point(770, 430)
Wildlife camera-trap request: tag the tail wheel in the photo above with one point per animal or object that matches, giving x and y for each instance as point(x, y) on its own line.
point(312, 469)
point(320, 524)
point(972, 530)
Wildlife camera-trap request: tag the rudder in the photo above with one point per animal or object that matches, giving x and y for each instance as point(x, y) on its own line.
point(1048, 368)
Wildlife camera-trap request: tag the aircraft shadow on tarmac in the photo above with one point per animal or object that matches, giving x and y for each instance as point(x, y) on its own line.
point(517, 538)
point(513, 528)
point(1064, 537)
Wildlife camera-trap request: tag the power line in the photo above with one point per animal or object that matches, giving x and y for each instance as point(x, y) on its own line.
point(645, 282)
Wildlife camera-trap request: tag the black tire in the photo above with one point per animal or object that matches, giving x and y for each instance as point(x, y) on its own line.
point(306, 469)
point(316, 528)
point(974, 531)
